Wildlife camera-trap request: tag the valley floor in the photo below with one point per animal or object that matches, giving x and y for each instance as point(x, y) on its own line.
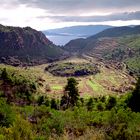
point(108, 81)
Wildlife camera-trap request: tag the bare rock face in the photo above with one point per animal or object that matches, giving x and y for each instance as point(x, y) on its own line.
point(26, 45)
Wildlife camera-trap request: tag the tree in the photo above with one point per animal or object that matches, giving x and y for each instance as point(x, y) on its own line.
point(134, 100)
point(40, 100)
point(4, 74)
point(64, 101)
point(71, 94)
point(111, 102)
point(90, 104)
point(53, 104)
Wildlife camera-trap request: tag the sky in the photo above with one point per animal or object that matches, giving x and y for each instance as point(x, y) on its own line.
point(50, 14)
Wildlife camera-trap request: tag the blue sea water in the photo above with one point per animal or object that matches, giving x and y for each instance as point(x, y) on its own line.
point(61, 40)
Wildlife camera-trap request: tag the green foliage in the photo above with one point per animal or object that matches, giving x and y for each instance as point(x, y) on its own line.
point(90, 104)
point(21, 130)
point(54, 104)
point(111, 102)
point(124, 125)
point(40, 100)
point(4, 74)
point(103, 99)
point(106, 117)
point(47, 102)
point(134, 99)
point(43, 100)
point(18, 85)
point(41, 122)
point(71, 94)
point(100, 106)
point(7, 115)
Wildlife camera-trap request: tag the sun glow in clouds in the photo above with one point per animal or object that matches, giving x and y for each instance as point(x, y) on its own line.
point(21, 16)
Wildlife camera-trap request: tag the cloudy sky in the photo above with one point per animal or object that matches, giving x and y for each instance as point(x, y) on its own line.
point(48, 14)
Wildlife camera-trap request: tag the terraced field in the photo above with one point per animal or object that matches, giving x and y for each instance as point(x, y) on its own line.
point(108, 81)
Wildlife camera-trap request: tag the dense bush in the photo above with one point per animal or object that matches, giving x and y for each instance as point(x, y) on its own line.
point(111, 102)
point(90, 104)
point(134, 99)
point(17, 88)
point(71, 117)
point(7, 116)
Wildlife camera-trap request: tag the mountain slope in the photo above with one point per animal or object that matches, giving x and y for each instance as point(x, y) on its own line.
point(18, 45)
point(116, 47)
point(117, 31)
point(75, 45)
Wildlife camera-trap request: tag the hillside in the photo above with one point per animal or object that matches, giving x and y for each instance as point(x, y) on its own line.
point(30, 113)
point(117, 32)
point(75, 45)
point(95, 79)
point(45, 102)
point(115, 47)
point(19, 46)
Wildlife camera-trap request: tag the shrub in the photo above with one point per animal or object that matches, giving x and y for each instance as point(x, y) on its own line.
point(54, 104)
point(100, 106)
point(40, 100)
point(7, 116)
point(4, 74)
point(134, 99)
point(90, 104)
point(111, 102)
point(21, 130)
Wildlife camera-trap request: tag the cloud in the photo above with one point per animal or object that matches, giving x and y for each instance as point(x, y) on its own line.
point(78, 6)
point(112, 17)
point(45, 14)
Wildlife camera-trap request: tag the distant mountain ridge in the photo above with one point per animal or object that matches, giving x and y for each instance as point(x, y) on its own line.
point(61, 36)
point(108, 33)
point(85, 30)
point(117, 31)
point(26, 45)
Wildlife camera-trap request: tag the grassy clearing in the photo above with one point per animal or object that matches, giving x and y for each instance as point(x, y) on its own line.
point(57, 87)
point(94, 86)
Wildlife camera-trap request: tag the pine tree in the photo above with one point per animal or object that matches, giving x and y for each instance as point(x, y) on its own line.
point(71, 94)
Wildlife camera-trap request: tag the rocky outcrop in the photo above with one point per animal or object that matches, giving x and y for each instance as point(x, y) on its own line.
point(26, 45)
